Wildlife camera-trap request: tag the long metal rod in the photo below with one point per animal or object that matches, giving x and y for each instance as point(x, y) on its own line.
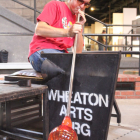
point(95, 19)
point(135, 35)
point(86, 35)
point(72, 72)
point(45, 115)
point(15, 34)
point(123, 46)
point(106, 39)
point(123, 25)
point(34, 11)
point(122, 52)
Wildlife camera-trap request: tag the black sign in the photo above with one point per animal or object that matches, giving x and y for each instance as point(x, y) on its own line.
point(93, 92)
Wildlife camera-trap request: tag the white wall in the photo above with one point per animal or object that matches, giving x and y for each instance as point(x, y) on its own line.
point(87, 30)
point(117, 19)
point(129, 14)
point(93, 44)
point(98, 28)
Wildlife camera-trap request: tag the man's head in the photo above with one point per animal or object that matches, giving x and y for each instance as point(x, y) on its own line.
point(103, 31)
point(74, 5)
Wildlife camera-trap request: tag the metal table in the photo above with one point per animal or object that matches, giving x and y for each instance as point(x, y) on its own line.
point(9, 93)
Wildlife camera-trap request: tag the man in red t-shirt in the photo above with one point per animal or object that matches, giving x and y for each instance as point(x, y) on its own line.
point(56, 29)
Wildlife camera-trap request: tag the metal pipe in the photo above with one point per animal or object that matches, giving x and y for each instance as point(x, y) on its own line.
point(131, 41)
point(122, 25)
point(15, 34)
point(95, 19)
point(122, 52)
point(129, 52)
point(125, 42)
point(135, 35)
point(106, 39)
point(72, 71)
point(96, 41)
point(111, 45)
point(123, 46)
point(34, 11)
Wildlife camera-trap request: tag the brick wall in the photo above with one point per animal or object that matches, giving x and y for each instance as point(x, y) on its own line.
point(22, 10)
point(129, 94)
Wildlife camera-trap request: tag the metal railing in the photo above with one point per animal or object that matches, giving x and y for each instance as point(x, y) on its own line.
point(124, 35)
point(106, 26)
point(34, 9)
point(130, 48)
point(15, 34)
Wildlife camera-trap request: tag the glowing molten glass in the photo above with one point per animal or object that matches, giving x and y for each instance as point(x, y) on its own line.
point(64, 131)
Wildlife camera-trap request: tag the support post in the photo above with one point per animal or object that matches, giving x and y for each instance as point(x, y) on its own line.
point(34, 11)
point(45, 116)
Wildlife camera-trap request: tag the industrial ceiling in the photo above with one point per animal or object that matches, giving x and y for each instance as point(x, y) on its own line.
point(103, 9)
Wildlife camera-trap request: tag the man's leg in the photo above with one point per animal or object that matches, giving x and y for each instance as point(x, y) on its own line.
point(36, 60)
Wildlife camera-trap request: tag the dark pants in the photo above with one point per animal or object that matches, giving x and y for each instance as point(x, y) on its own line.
point(101, 47)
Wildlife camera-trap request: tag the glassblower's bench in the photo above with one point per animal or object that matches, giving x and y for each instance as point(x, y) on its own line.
point(12, 100)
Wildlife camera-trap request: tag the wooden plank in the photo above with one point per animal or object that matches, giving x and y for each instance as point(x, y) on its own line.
point(10, 92)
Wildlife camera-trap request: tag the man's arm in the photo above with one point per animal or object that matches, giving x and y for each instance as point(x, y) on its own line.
point(45, 30)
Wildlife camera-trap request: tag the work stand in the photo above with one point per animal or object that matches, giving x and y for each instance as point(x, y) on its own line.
point(118, 113)
point(12, 100)
point(94, 87)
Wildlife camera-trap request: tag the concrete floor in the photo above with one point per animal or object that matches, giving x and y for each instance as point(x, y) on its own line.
point(129, 128)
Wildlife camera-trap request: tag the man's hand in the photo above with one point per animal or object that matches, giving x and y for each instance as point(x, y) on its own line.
point(77, 27)
point(74, 29)
point(82, 17)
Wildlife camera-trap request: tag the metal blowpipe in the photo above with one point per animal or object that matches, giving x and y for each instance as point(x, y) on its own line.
point(72, 72)
point(65, 131)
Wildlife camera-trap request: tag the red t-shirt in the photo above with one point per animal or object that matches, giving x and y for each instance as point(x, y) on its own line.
point(58, 15)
